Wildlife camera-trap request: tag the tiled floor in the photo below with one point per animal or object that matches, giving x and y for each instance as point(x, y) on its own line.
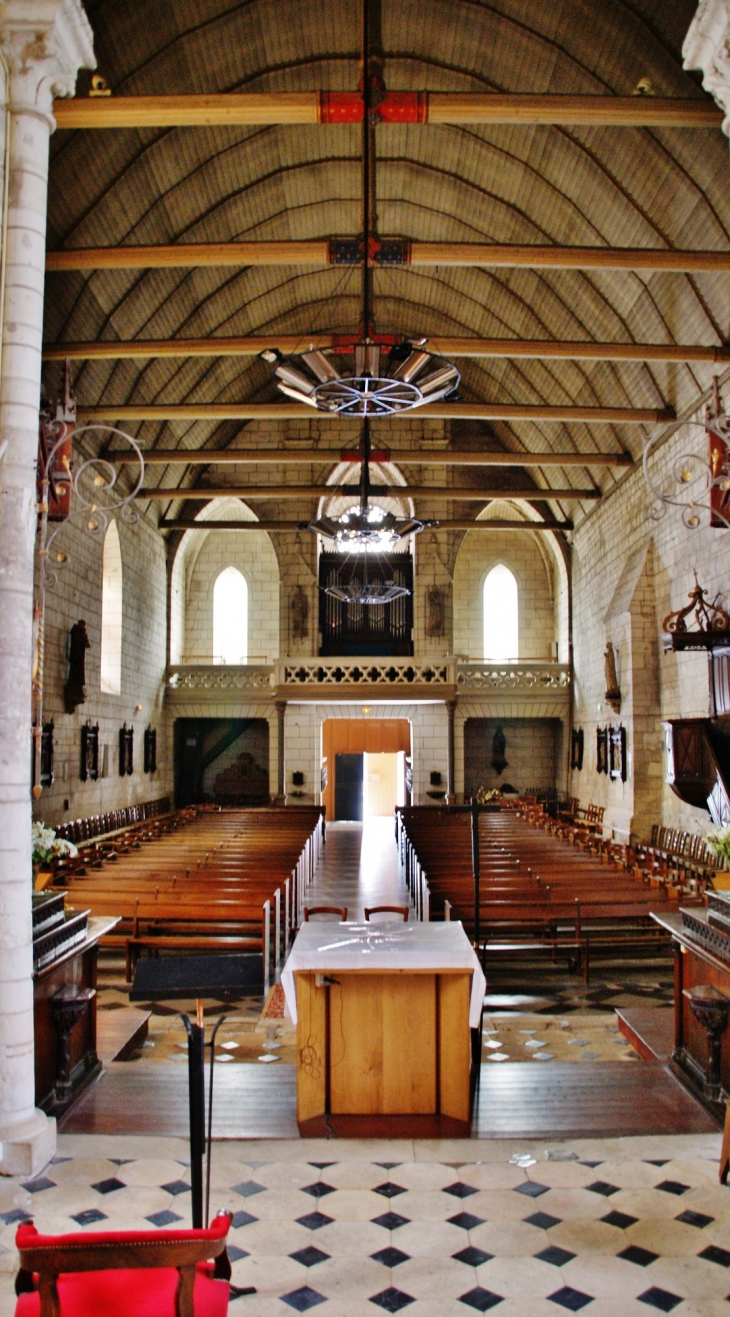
point(617, 1227)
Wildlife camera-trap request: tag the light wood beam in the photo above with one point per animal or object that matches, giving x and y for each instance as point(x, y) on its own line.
point(280, 492)
point(187, 523)
point(608, 111)
point(531, 256)
point(243, 109)
point(542, 349)
point(333, 456)
point(480, 411)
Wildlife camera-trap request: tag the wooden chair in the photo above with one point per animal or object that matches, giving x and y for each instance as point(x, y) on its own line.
point(155, 1273)
point(340, 910)
point(387, 909)
point(725, 1150)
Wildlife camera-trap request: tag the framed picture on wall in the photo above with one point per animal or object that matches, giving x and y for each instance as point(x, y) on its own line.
point(617, 754)
point(576, 748)
point(601, 749)
point(89, 752)
point(126, 751)
point(150, 750)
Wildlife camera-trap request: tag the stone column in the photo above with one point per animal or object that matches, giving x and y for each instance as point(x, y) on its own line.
point(450, 788)
point(281, 727)
point(707, 48)
point(44, 43)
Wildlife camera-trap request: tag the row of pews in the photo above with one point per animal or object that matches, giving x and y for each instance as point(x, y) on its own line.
point(542, 886)
point(201, 879)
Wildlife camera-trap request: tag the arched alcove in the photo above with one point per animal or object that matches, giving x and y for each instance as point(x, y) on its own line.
point(111, 613)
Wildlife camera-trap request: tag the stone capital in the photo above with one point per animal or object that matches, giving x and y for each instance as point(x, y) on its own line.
point(45, 43)
point(706, 48)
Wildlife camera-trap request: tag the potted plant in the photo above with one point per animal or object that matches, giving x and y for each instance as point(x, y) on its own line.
point(46, 848)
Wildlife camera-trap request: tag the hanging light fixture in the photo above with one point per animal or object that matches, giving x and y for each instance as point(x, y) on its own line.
point(369, 378)
point(367, 527)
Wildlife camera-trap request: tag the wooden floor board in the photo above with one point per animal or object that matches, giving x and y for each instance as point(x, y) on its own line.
point(515, 1100)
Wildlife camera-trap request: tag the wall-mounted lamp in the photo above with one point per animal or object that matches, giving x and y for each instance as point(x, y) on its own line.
point(138, 708)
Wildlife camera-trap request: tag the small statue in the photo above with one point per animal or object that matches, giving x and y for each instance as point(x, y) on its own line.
point(74, 692)
point(299, 614)
point(435, 618)
point(499, 749)
point(613, 691)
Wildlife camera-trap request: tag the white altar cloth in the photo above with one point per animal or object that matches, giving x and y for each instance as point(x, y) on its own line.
point(328, 947)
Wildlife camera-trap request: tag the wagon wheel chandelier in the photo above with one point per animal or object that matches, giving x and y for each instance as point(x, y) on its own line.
point(375, 376)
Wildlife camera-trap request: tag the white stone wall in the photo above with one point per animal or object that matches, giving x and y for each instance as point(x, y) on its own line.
point(144, 633)
point(654, 685)
point(303, 740)
point(530, 561)
point(252, 553)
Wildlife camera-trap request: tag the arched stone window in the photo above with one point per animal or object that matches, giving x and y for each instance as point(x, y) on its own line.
point(230, 617)
point(111, 613)
point(501, 616)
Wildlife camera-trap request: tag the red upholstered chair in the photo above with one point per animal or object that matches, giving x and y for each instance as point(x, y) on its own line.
point(160, 1273)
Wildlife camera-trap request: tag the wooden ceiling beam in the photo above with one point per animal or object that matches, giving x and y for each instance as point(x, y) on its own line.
point(472, 411)
point(279, 492)
point(321, 253)
point(542, 349)
point(188, 523)
point(243, 109)
point(333, 456)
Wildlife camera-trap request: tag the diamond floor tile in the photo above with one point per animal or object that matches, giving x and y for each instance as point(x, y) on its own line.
point(392, 1300)
point(466, 1221)
point(715, 1254)
point(698, 1219)
point(673, 1187)
point(309, 1257)
point(303, 1299)
point(641, 1257)
point(109, 1186)
point(460, 1190)
point(602, 1187)
point(660, 1299)
point(542, 1220)
point(620, 1219)
point(314, 1220)
point(391, 1257)
point(390, 1220)
point(571, 1299)
point(472, 1257)
point(480, 1299)
point(557, 1257)
point(532, 1189)
point(389, 1190)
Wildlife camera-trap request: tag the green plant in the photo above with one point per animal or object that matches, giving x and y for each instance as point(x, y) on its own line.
point(47, 846)
point(718, 841)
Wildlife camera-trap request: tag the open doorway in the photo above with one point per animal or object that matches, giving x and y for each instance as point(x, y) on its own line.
point(384, 785)
point(345, 740)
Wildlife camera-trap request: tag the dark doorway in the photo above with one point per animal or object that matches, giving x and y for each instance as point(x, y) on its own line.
point(348, 786)
point(223, 760)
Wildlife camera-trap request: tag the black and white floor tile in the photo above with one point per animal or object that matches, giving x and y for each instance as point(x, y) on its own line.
point(621, 1228)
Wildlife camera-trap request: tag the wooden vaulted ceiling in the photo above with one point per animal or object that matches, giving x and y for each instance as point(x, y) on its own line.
point(566, 185)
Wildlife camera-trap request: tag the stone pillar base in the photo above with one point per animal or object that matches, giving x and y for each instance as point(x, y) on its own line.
point(27, 1147)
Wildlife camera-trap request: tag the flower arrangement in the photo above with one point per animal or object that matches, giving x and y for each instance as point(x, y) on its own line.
point(718, 841)
point(47, 846)
point(485, 796)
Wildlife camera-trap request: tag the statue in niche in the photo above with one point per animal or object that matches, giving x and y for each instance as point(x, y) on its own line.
point(499, 749)
point(613, 690)
point(435, 615)
point(74, 692)
point(299, 608)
